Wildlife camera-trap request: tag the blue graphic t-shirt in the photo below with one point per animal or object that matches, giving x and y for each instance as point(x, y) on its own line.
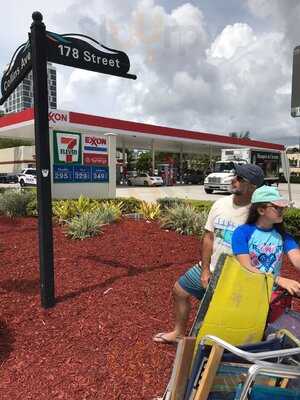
point(264, 246)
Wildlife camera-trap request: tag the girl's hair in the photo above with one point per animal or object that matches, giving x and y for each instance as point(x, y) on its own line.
point(254, 215)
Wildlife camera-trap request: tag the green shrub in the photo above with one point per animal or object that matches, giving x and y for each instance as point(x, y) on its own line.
point(294, 179)
point(185, 219)
point(201, 205)
point(109, 212)
point(84, 204)
point(66, 209)
point(31, 208)
point(149, 210)
point(14, 203)
point(292, 221)
point(129, 204)
point(84, 226)
point(169, 202)
point(63, 210)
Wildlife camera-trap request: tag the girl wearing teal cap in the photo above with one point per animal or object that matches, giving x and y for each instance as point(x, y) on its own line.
point(259, 244)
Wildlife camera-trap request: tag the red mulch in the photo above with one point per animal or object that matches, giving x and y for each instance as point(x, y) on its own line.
point(113, 295)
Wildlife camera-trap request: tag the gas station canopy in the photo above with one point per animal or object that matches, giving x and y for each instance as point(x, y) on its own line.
point(130, 135)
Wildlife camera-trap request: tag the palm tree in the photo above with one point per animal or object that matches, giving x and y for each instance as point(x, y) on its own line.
point(240, 135)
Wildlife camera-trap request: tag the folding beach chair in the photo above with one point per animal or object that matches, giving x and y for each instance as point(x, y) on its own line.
point(225, 311)
point(239, 306)
point(219, 380)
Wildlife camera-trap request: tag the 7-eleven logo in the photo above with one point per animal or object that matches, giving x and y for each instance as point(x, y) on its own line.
point(67, 147)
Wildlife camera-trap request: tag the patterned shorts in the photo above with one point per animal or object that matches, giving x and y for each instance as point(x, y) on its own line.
point(190, 282)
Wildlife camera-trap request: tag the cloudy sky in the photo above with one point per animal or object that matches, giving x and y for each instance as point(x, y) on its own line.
point(211, 65)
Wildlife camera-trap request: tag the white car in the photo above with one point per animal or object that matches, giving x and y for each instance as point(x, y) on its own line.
point(27, 177)
point(144, 179)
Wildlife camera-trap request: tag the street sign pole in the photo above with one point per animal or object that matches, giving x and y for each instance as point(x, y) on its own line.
point(41, 131)
point(66, 49)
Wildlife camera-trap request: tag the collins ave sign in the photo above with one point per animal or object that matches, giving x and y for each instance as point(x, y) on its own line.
point(17, 70)
point(77, 51)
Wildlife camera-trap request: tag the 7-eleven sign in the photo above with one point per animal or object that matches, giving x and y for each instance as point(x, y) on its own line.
point(67, 147)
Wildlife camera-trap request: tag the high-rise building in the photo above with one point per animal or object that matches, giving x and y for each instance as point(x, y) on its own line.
point(22, 97)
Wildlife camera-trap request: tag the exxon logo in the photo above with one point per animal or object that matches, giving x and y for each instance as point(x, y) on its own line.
point(95, 141)
point(56, 117)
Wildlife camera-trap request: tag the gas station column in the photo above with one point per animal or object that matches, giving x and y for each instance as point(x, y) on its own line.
point(123, 153)
point(111, 139)
point(153, 156)
point(181, 163)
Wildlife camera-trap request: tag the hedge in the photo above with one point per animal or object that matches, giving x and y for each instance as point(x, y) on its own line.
point(130, 205)
point(292, 221)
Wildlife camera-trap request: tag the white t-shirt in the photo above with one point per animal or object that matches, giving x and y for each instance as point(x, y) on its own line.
point(223, 218)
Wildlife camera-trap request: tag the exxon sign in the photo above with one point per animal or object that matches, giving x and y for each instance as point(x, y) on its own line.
point(57, 117)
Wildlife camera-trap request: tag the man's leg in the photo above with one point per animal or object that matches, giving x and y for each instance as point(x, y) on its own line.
point(188, 285)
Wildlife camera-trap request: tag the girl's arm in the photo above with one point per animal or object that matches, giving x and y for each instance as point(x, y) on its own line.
point(293, 287)
point(294, 256)
point(245, 261)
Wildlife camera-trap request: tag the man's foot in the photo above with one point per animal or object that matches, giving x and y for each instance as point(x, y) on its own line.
point(167, 338)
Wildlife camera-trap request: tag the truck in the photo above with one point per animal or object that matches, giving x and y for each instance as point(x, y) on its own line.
point(224, 170)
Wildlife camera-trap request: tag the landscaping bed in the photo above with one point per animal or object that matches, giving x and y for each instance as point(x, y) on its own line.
point(113, 294)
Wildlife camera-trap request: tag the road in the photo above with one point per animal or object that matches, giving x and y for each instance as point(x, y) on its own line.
point(195, 192)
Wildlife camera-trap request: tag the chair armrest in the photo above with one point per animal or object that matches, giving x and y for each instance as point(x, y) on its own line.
point(252, 357)
point(272, 369)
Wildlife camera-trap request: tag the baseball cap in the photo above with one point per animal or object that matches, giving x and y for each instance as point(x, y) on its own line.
point(251, 172)
point(269, 194)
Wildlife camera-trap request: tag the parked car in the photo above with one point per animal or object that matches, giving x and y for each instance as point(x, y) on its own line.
point(193, 177)
point(27, 177)
point(144, 179)
point(8, 178)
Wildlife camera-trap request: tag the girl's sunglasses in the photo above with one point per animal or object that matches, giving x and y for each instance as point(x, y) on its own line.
point(276, 208)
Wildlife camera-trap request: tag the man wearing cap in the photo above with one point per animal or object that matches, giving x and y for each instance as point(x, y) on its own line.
point(224, 217)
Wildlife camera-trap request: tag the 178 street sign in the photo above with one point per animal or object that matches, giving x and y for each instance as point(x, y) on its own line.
point(75, 52)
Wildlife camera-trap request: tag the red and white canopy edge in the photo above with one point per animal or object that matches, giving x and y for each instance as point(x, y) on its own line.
point(135, 135)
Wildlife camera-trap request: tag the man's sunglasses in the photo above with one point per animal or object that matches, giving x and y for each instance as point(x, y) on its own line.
point(240, 179)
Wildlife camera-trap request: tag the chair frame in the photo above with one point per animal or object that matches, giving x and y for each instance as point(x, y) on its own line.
point(260, 366)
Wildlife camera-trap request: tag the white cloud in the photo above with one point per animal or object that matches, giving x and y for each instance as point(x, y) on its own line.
point(231, 40)
point(239, 79)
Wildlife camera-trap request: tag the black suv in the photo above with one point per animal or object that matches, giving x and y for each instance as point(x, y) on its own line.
point(8, 178)
point(193, 177)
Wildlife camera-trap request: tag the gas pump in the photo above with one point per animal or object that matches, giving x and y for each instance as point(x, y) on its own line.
point(168, 173)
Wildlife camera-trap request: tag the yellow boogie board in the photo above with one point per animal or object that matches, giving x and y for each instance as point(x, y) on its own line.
point(239, 306)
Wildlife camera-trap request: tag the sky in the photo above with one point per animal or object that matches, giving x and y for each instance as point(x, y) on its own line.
point(208, 65)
